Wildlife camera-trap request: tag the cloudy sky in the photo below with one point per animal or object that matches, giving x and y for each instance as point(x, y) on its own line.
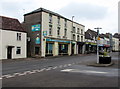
point(91, 13)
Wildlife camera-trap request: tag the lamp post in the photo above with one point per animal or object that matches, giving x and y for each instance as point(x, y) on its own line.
point(97, 44)
point(71, 34)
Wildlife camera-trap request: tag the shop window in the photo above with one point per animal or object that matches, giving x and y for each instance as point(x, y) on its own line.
point(63, 48)
point(49, 48)
point(18, 51)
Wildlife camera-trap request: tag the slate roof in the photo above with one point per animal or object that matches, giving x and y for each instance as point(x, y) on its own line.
point(12, 24)
point(48, 11)
point(89, 34)
point(117, 35)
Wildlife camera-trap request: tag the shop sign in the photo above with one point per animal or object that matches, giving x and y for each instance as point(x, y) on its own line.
point(44, 33)
point(57, 40)
point(100, 45)
point(35, 27)
point(37, 41)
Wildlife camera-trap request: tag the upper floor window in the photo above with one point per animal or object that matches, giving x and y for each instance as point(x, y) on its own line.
point(81, 38)
point(58, 20)
point(18, 36)
point(58, 31)
point(65, 32)
point(78, 37)
point(50, 30)
point(65, 23)
point(81, 31)
point(73, 29)
point(78, 30)
point(73, 36)
point(50, 18)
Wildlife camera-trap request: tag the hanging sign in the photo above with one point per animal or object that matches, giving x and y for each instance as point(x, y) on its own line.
point(37, 41)
point(35, 27)
point(44, 33)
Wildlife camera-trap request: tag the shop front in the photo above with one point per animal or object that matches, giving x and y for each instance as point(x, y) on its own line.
point(56, 47)
point(80, 47)
point(49, 49)
point(90, 47)
point(63, 49)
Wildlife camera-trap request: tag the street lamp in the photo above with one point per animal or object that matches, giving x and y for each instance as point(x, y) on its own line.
point(71, 34)
point(97, 44)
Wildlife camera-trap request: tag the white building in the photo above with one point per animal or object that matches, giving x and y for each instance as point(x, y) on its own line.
point(12, 39)
point(56, 34)
point(115, 45)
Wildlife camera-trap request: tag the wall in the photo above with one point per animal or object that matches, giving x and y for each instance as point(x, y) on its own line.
point(0, 44)
point(10, 38)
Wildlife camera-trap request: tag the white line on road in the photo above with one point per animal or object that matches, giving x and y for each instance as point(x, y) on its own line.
point(54, 67)
point(49, 68)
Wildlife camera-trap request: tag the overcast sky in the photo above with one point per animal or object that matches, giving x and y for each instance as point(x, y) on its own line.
point(91, 13)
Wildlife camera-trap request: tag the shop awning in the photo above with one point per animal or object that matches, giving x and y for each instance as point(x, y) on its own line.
point(107, 45)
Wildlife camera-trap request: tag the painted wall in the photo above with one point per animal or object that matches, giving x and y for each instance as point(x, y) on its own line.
point(9, 38)
point(115, 44)
point(0, 44)
point(45, 27)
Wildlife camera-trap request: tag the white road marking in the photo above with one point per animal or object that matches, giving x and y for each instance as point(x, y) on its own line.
point(82, 71)
point(67, 70)
point(16, 74)
point(54, 67)
point(9, 76)
point(49, 68)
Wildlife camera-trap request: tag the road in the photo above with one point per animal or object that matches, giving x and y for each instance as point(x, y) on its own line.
point(64, 71)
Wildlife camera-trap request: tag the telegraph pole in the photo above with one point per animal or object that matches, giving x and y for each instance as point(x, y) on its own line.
point(97, 44)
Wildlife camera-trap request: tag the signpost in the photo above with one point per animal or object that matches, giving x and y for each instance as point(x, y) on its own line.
point(98, 44)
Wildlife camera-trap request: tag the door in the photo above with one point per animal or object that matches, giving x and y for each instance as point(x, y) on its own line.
point(9, 52)
point(37, 49)
point(72, 48)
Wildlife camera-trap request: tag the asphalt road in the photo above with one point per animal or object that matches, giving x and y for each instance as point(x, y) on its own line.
point(65, 71)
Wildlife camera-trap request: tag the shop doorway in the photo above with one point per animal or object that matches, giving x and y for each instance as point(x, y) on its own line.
point(73, 45)
point(37, 49)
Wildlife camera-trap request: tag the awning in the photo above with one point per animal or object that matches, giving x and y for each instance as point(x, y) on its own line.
point(107, 45)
